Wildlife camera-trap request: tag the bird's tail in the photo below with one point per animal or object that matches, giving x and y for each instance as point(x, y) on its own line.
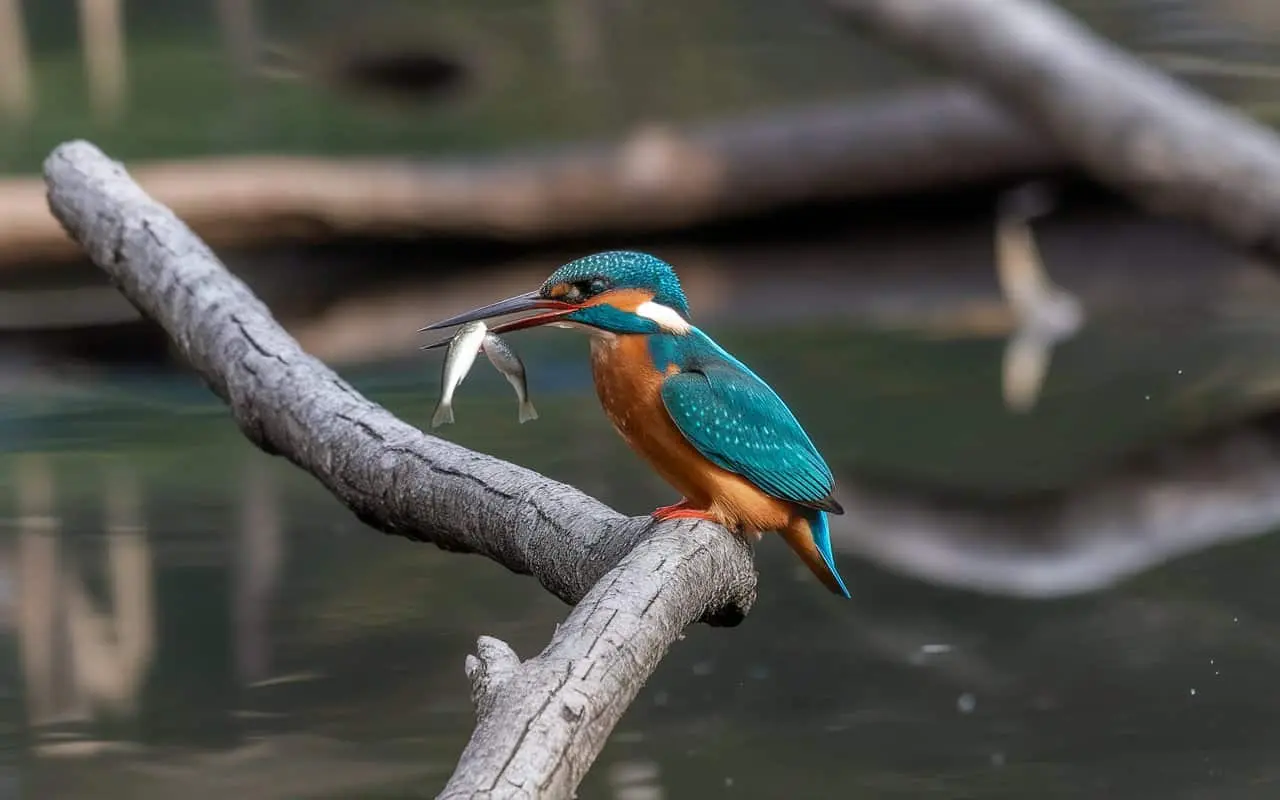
point(810, 538)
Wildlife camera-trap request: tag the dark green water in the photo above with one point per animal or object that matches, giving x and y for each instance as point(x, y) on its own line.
point(194, 619)
point(257, 640)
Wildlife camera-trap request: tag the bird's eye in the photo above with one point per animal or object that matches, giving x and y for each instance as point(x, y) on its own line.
point(597, 285)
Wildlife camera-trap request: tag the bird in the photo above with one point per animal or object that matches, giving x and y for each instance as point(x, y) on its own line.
point(708, 425)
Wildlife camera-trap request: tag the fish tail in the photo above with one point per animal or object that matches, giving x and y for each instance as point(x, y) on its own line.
point(444, 413)
point(527, 411)
point(809, 537)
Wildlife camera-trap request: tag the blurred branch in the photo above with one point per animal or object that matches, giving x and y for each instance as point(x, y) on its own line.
point(541, 722)
point(1169, 148)
point(655, 180)
point(1167, 501)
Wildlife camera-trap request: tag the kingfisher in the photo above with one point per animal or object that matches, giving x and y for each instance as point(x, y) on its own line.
point(708, 425)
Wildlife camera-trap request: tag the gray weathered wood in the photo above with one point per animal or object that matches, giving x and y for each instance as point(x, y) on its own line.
point(637, 585)
point(1127, 124)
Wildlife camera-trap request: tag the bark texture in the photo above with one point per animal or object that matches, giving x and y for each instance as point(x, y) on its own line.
point(636, 585)
point(1166, 146)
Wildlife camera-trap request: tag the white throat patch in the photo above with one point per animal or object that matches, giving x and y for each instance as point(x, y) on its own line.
point(667, 317)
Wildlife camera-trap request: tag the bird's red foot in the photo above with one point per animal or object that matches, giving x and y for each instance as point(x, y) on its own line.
point(660, 513)
point(681, 510)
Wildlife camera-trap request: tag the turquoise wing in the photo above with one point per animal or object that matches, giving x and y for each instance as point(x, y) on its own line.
point(738, 423)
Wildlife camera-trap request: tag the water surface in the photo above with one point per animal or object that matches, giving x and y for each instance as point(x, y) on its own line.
point(184, 616)
point(202, 619)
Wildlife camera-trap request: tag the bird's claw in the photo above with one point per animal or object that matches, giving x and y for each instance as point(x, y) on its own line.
point(659, 513)
point(681, 510)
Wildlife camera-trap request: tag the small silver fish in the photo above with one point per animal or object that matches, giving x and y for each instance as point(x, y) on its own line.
point(463, 347)
point(512, 368)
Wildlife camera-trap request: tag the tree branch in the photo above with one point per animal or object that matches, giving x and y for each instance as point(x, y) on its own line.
point(637, 585)
point(1166, 146)
point(658, 179)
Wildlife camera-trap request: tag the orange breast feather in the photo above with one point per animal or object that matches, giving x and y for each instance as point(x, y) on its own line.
point(630, 390)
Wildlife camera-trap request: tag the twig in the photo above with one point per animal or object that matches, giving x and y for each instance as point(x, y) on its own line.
point(1168, 147)
point(637, 586)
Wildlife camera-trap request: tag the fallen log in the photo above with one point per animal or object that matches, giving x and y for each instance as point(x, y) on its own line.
point(658, 179)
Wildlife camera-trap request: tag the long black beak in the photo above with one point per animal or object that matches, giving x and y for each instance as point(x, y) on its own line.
point(529, 301)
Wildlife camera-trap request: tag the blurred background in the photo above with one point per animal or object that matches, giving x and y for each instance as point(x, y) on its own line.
point(1061, 469)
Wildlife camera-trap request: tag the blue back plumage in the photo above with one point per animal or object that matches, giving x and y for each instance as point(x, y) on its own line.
point(736, 421)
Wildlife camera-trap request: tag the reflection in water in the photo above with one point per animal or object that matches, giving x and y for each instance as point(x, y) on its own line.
point(1127, 521)
point(1046, 314)
point(103, 38)
point(283, 650)
point(246, 637)
point(241, 34)
point(636, 780)
point(256, 563)
point(80, 659)
point(16, 101)
point(112, 649)
point(103, 42)
point(908, 690)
